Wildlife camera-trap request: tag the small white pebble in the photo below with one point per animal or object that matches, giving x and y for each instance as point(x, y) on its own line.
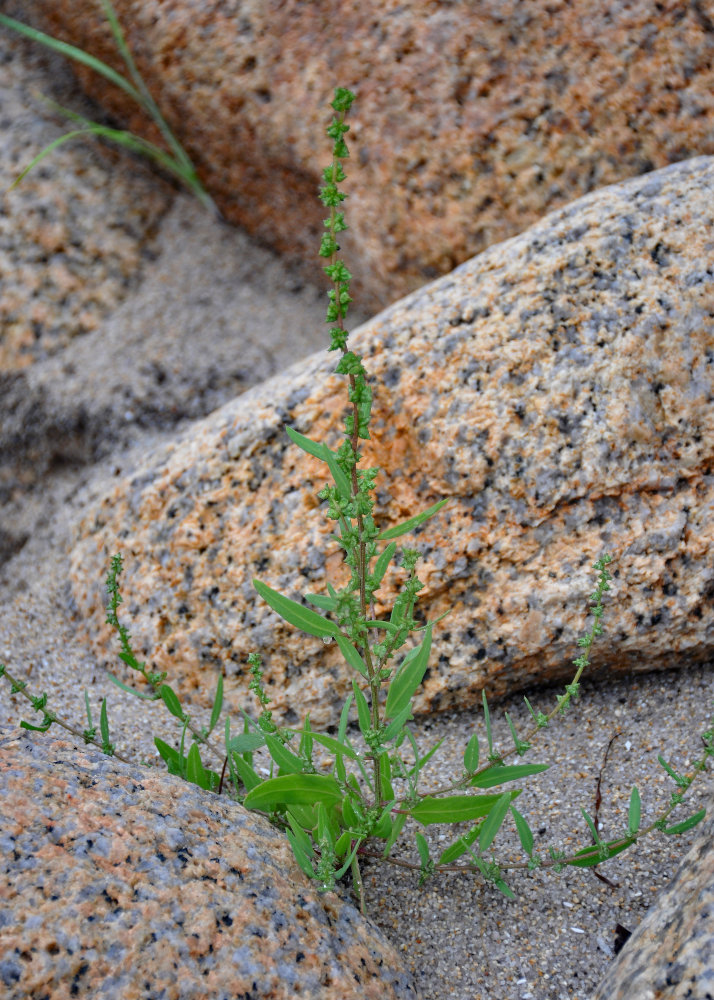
point(577, 930)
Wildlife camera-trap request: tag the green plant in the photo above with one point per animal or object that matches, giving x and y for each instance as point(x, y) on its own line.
point(176, 161)
point(334, 818)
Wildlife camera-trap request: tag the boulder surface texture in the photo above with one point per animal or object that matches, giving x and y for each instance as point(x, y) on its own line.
point(559, 389)
point(671, 954)
point(119, 881)
point(475, 118)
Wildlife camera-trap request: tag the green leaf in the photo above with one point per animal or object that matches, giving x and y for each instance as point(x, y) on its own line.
point(324, 833)
point(341, 481)
point(525, 834)
point(397, 724)
point(633, 817)
point(352, 656)
point(593, 829)
point(306, 740)
point(104, 723)
point(499, 775)
point(686, 824)
point(487, 720)
point(314, 448)
point(284, 758)
point(389, 626)
point(363, 716)
point(588, 857)
point(458, 848)
point(413, 522)
point(471, 754)
point(296, 614)
point(333, 745)
point(217, 704)
point(245, 772)
point(170, 699)
point(493, 822)
point(306, 816)
point(408, 678)
point(423, 848)
point(380, 567)
point(456, 808)
point(385, 770)
point(245, 743)
point(300, 856)
point(397, 827)
point(152, 696)
point(321, 601)
point(293, 789)
point(42, 728)
point(172, 758)
point(196, 773)
point(344, 718)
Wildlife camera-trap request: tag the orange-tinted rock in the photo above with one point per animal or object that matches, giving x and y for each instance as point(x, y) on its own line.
point(123, 881)
point(473, 120)
point(559, 388)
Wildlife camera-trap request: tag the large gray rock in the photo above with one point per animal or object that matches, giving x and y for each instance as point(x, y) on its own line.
point(559, 388)
point(119, 881)
point(671, 954)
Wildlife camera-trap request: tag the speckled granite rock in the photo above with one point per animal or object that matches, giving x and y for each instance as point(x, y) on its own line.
point(559, 387)
point(475, 117)
point(119, 881)
point(671, 954)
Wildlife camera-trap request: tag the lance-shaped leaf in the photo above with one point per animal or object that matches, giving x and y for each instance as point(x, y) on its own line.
point(423, 848)
point(217, 704)
point(245, 743)
point(380, 567)
point(686, 824)
point(293, 789)
point(104, 724)
point(397, 724)
point(525, 834)
point(591, 856)
point(172, 758)
point(397, 827)
point(457, 849)
point(333, 745)
point(487, 720)
point(633, 816)
point(413, 522)
point(499, 775)
point(363, 715)
point(314, 448)
point(284, 758)
point(493, 822)
point(408, 678)
point(296, 614)
point(320, 450)
point(456, 808)
point(471, 754)
point(321, 601)
point(196, 773)
point(170, 699)
point(352, 656)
